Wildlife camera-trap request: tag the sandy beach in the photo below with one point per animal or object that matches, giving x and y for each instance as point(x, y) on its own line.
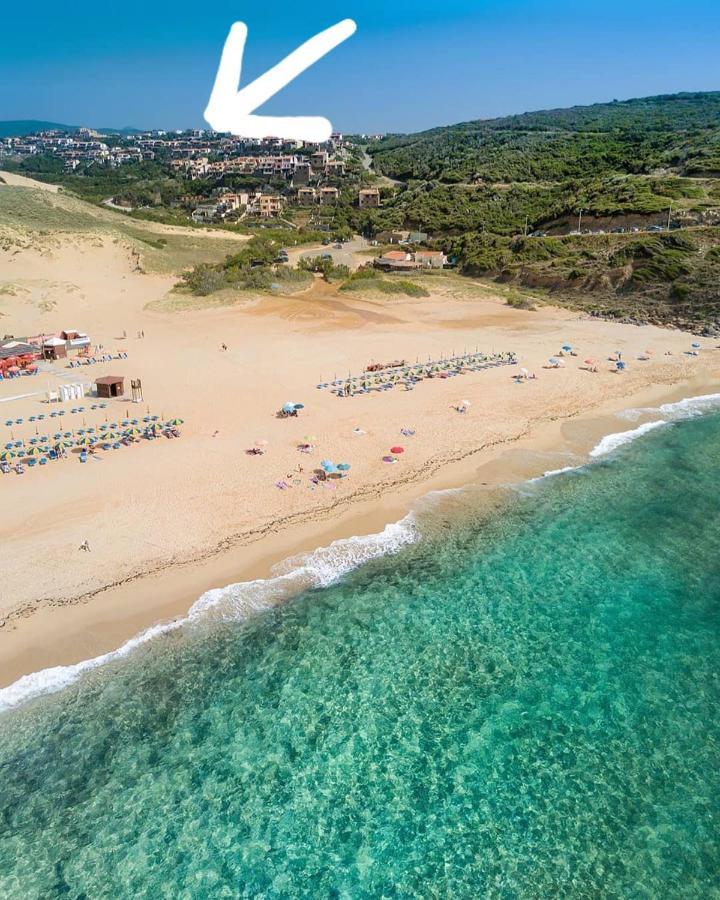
point(169, 519)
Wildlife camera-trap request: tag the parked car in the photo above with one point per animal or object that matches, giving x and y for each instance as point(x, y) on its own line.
point(655, 228)
point(618, 230)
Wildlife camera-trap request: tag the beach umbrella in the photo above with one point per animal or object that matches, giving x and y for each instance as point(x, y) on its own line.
point(553, 361)
point(132, 432)
point(620, 365)
point(567, 348)
point(343, 467)
point(33, 440)
point(60, 413)
point(6, 455)
point(57, 436)
point(696, 346)
point(327, 464)
point(589, 362)
point(175, 421)
point(36, 451)
point(397, 450)
point(288, 407)
point(9, 423)
point(9, 445)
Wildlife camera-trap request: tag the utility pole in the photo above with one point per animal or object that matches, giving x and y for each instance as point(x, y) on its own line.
point(669, 214)
point(580, 212)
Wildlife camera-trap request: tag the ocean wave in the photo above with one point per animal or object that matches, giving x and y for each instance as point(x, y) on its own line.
point(611, 442)
point(552, 472)
point(687, 408)
point(48, 681)
point(319, 568)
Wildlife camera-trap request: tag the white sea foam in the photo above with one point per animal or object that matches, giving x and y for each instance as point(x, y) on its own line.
point(681, 409)
point(552, 472)
point(612, 441)
point(319, 568)
point(47, 681)
point(691, 406)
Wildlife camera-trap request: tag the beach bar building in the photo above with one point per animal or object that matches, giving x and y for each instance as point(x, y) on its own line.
point(110, 386)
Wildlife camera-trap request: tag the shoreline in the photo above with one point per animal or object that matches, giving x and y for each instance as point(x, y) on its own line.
point(80, 630)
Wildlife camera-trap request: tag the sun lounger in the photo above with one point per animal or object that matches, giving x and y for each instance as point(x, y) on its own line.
point(4, 468)
point(19, 468)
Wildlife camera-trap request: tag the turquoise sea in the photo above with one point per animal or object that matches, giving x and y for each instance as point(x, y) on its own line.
point(524, 702)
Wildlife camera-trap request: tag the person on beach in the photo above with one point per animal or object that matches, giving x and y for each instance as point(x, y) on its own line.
point(85, 546)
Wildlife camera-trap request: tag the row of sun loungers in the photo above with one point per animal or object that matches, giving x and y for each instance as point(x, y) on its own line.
point(91, 360)
point(410, 375)
point(53, 454)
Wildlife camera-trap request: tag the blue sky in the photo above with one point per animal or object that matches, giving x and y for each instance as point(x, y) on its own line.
point(411, 65)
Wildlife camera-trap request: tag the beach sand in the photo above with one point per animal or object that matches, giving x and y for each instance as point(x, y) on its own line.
point(170, 519)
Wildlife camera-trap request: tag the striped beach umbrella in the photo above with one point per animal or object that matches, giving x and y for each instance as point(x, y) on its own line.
point(6, 455)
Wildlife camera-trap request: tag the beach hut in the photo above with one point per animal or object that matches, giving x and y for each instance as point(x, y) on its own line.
point(54, 348)
point(110, 386)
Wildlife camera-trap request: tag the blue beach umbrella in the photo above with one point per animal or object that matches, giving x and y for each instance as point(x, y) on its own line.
point(620, 365)
point(567, 348)
point(696, 346)
point(343, 467)
point(553, 361)
point(299, 406)
point(288, 407)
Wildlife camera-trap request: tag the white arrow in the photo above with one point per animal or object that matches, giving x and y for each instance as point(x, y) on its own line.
point(230, 109)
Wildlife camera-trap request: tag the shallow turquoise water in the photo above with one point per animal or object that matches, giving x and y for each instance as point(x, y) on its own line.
point(525, 706)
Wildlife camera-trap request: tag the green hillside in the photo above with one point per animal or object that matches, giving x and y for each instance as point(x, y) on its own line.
point(680, 132)
point(629, 166)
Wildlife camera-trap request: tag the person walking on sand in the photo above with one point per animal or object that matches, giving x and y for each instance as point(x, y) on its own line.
point(85, 546)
